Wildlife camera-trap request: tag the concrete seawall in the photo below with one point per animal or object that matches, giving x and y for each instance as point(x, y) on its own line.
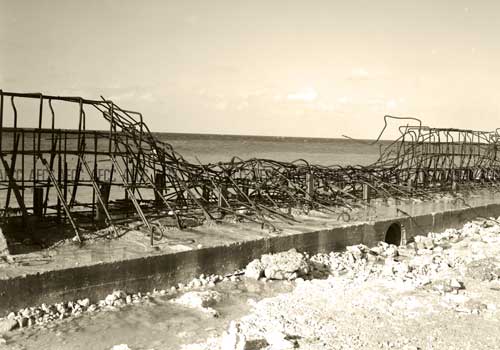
point(162, 271)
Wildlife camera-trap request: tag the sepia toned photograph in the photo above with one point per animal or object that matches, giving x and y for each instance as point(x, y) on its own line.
point(249, 175)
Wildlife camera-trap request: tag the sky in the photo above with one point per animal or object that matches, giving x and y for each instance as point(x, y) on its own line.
point(290, 68)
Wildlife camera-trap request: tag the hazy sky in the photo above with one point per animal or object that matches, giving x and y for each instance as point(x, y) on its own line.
point(298, 68)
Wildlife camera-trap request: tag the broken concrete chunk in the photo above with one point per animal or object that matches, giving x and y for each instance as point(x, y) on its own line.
point(286, 265)
point(7, 324)
point(255, 269)
point(484, 269)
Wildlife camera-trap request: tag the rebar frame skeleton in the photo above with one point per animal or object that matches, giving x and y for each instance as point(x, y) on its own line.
point(158, 185)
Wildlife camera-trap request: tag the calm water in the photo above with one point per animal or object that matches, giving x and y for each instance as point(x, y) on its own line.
point(215, 148)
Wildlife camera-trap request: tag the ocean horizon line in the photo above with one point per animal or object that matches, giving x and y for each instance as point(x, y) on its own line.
point(264, 137)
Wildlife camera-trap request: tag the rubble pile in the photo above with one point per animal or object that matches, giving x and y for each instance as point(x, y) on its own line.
point(44, 313)
point(287, 265)
point(202, 281)
point(435, 267)
point(418, 261)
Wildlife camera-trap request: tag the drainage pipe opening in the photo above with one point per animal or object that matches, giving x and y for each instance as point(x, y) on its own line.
point(393, 234)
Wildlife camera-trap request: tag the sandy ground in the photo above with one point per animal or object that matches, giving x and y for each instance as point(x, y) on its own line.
point(442, 292)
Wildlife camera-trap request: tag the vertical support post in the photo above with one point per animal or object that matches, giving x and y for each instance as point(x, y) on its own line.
point(34, 158)
point(111, 125)
point(59, 177)
point(1, 119)
point(310, 186)
point(404, 239)
point(40, 119)
point(38, 201)
point(127, 161)
point(366, 193)
point(95, 176)
point(160, 185)
point(205, 193)
point(454, 183)
point(11, 176)
point(65, 189)
point(101, 211)
point(23, 175)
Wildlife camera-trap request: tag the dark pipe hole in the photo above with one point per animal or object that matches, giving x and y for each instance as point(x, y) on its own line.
point(393, 234)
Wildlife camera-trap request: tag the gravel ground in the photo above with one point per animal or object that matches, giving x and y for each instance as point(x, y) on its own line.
point(439, 292)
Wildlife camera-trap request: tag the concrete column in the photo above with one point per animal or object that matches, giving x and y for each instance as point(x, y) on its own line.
point(366, 193)
point(310, 186)
point(38, 201)
point(454, 183)
point(160, 186)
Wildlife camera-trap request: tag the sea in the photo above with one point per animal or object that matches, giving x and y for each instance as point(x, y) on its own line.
point(211, 148)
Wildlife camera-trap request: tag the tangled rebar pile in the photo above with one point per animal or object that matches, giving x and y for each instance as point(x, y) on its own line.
point(147, 179)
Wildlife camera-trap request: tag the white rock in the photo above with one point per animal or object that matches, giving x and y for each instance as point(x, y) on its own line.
point(110, 299)
point(402, 268)
point(491, 307)
point(84, 302)
point(438, 249)
point(283, 265)
point(120, 347)
point(6, 325)
point(255, 269)
point(233, 339)
point(455, 284)
point(391, 251)
point(277, 341)
point(198, 299)
point(356, 251)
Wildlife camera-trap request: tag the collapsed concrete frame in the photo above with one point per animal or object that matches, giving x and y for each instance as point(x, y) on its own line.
point(152, 183)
